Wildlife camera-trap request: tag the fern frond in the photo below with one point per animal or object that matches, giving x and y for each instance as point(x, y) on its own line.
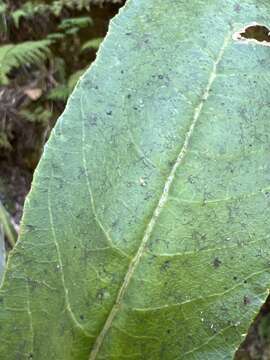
point(17, 15)
point(55, 36)
point(59, 93)
point(80, 22)
point(38, 115)
point(16, 55)
point(92, 44)
point(85, 4)
point(62, 92)
point(3, 7)
point(30, 9)
point(3, 20)
point(73, 79)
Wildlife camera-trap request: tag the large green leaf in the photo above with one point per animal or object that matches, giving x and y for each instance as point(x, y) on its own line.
point(145, 235)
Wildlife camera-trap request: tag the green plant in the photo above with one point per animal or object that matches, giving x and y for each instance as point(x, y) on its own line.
point(38, 115)
point(146, 231)
point(92, 44)
point(8, 227)
point(37, 40)
point(59, 93)
point(16, 55)
point(4, 141)
point(81, 22)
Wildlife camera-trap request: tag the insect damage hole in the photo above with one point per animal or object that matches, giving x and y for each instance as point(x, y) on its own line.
point(254, 33)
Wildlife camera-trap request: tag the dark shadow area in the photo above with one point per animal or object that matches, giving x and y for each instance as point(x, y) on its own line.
point(256, 345)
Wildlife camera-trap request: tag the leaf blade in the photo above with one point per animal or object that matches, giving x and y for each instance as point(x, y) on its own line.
point(183, 285)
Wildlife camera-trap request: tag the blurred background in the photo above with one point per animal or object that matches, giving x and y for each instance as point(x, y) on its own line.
point(45, 46)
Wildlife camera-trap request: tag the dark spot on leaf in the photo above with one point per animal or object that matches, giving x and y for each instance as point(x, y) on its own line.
point(30, 227)
point(237, 8)
point(235, 278)
point(93, 121)
point(246, 300)
point(101, 294)
point(81, 317)
point(160, 76)
point(128, 96)
point(135, 108)
point(122, 71)
point(245, 281)
point(109, 112)
point(216, 262)
point(129, 33)
point(165, 266)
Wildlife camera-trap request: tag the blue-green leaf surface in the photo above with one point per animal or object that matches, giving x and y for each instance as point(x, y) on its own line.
point(146, 233)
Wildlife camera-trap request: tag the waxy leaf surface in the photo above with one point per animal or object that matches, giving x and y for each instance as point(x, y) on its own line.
point(146, 232)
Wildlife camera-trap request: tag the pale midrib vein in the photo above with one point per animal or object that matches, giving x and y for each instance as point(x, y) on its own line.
point(162, 201)
point(60, 263)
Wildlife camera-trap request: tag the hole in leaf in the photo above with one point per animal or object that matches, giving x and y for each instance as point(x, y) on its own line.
point(254, 33)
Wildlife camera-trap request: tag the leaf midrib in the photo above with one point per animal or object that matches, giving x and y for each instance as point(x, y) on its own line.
point(162, 201)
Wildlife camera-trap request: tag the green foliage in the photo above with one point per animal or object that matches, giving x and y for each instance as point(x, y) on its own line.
point(31, 9)
point(17, 55)
point(71, 26)
point(80, 22)
point(41, 48)
point(55, 36)
point(8, 227)
point(62, 92)
point(92, 44)
point(3, 7)
point(146, 233)
point(17, 15)
point(38, 115)
point(73, 79)
point(4, 142)
point(59, 93)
